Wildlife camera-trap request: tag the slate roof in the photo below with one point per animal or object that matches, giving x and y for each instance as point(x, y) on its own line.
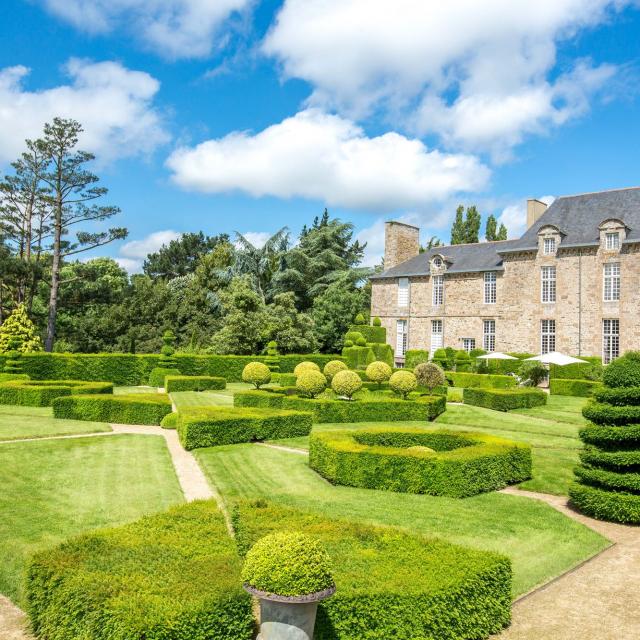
point(578, 218)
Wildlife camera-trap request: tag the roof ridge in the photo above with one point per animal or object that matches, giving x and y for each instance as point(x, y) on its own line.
point(469, 244)
point(592, 193)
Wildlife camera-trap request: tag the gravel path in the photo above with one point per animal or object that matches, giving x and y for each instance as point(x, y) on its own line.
point(598, 600)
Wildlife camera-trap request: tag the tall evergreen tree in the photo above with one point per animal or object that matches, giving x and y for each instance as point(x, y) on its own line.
point(502, 232)
point(459, 229)
point(472, 225)
point(491, 229)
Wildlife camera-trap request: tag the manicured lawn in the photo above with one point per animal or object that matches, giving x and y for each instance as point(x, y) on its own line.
point(541, 542)
point(38, 422)
point(552, 431)
point(128, 390)
point(57, 488)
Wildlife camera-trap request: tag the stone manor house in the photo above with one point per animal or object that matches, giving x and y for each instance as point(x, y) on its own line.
point(571, 283)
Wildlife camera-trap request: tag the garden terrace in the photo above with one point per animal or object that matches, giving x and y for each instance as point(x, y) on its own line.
point(392, 584)
point(367, 407)
point(435, 462)
point(42, 393)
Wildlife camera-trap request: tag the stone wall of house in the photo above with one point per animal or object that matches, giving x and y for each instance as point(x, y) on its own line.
point(519, 311)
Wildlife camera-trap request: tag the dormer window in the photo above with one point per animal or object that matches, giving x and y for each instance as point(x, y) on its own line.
point(437, 262)
point(612, 240)
point(549, 246)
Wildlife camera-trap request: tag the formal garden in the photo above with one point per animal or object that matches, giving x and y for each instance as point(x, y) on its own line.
point(345, 493)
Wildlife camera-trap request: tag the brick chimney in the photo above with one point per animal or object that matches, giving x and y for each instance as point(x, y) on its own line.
point(401, 242)
point(535, 208)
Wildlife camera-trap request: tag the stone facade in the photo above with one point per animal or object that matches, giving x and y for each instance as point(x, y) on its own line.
point(578, 311)
point(401, 242)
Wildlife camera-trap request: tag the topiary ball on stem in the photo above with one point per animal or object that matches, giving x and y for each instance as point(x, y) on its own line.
point(311, 383)
point(332, 367)
point(288, 564)
point(346, 383)
point(429, 374)
point(403, 383)
point(257, 374)
point(305, 366)
point(378, 372)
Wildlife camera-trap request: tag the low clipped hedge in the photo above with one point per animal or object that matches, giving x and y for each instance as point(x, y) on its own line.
point(504, 399)
point(134, 369)
point(194, 383)
point(414, 357)
point(213, 426)
point(167, 576)
point(413, 460)
point(604, 413)
point(6, 377)
point(603, 504)
point(578, 371)
point(42, 393)
point(618, 397)
point(287, 380)
point(135, 408)
point(578, 388)
point(479, 380)
point(370, 407)
point(390, 583)
point(158, 375)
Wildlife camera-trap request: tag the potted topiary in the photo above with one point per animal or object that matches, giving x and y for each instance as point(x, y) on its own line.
point(257, 374)
point(332, 367)
point(289, 572)
point(346, 383)
point(403, 383)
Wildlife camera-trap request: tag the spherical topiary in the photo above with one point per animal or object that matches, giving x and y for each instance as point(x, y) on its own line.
point(378, 372)
point(403, 383)
point(332, 367)
point(311, 383)
point(377, 322)
point(288, 564)
point(305, 366)
point(360, 319)
point(348, 344)
point(346, 383)
point(429, 374)
point(256, 373)
point(624, 371)
point(361, 341)
point(354, 336)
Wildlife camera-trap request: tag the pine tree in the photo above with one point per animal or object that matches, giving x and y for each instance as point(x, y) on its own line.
point(491, 229)
point(458, 229)
point(18, 327)
point(502, 232)
point(472, 225)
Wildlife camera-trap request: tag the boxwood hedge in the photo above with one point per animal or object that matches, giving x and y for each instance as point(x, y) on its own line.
point(41, 393)
point(578, 388)
point(504, 399)
point(603, 504)
point(168, 576)
point(213, 426)
point(390, 583)
point(604, 413)
point(194, 383)
point(480, 380)
point(370, 407)
point(619, 397)
point(415, 460)
point(134, 369)
point(135, 408)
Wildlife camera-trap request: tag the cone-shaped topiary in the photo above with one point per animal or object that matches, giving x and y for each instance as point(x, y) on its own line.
point(12, 364)
point(360, 319)
point(19, 326)
point(311, 383)
point(463, 361)
point(288, 564)
point(608, 478)
point(403, 383)
point(430, 375)
point(257, 374)
point(441, 358)
point(305, 366)
point(272, 360)
point(332, 367)
point(346, 383)
point(377, 322)
point(167, 361)
point(378, 372)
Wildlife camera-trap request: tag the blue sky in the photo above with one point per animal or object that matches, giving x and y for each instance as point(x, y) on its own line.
point(244, 115)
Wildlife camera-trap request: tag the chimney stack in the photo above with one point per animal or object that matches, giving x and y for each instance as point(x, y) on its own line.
point(535, 209)
point(401, 242)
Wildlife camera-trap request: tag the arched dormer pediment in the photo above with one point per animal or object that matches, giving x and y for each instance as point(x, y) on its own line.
point(549, 239)
point(612, 223)
point(438, 264)
point(613, 231)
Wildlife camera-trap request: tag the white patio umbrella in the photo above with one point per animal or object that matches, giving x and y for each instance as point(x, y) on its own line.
point(496, 355)
point(555, 357)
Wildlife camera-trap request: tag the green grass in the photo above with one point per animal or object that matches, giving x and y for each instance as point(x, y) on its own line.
point(58, 488)
point(18, 422)
point(541, 542)
point(128, 390)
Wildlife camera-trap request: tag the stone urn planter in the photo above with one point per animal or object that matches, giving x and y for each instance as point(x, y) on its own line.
point(288, 617)
point(289, 574)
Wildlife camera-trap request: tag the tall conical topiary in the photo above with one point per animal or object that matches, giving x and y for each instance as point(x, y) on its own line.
point(12, 364)
point(608, 478)
point(18, 327)
point(166, 352)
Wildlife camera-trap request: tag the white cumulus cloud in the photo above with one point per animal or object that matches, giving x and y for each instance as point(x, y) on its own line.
point(114, 104)
point(480, 74)
point(173, 28)
point(325, 157)
point(133, 253)
point(514, 216)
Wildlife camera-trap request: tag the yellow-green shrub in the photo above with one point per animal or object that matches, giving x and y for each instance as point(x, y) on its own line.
point(346, 383)
point(311, 383)
point(257, 374)
point(378, 372)
point(403, 383)
point(306, 365)
point(333, 367)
